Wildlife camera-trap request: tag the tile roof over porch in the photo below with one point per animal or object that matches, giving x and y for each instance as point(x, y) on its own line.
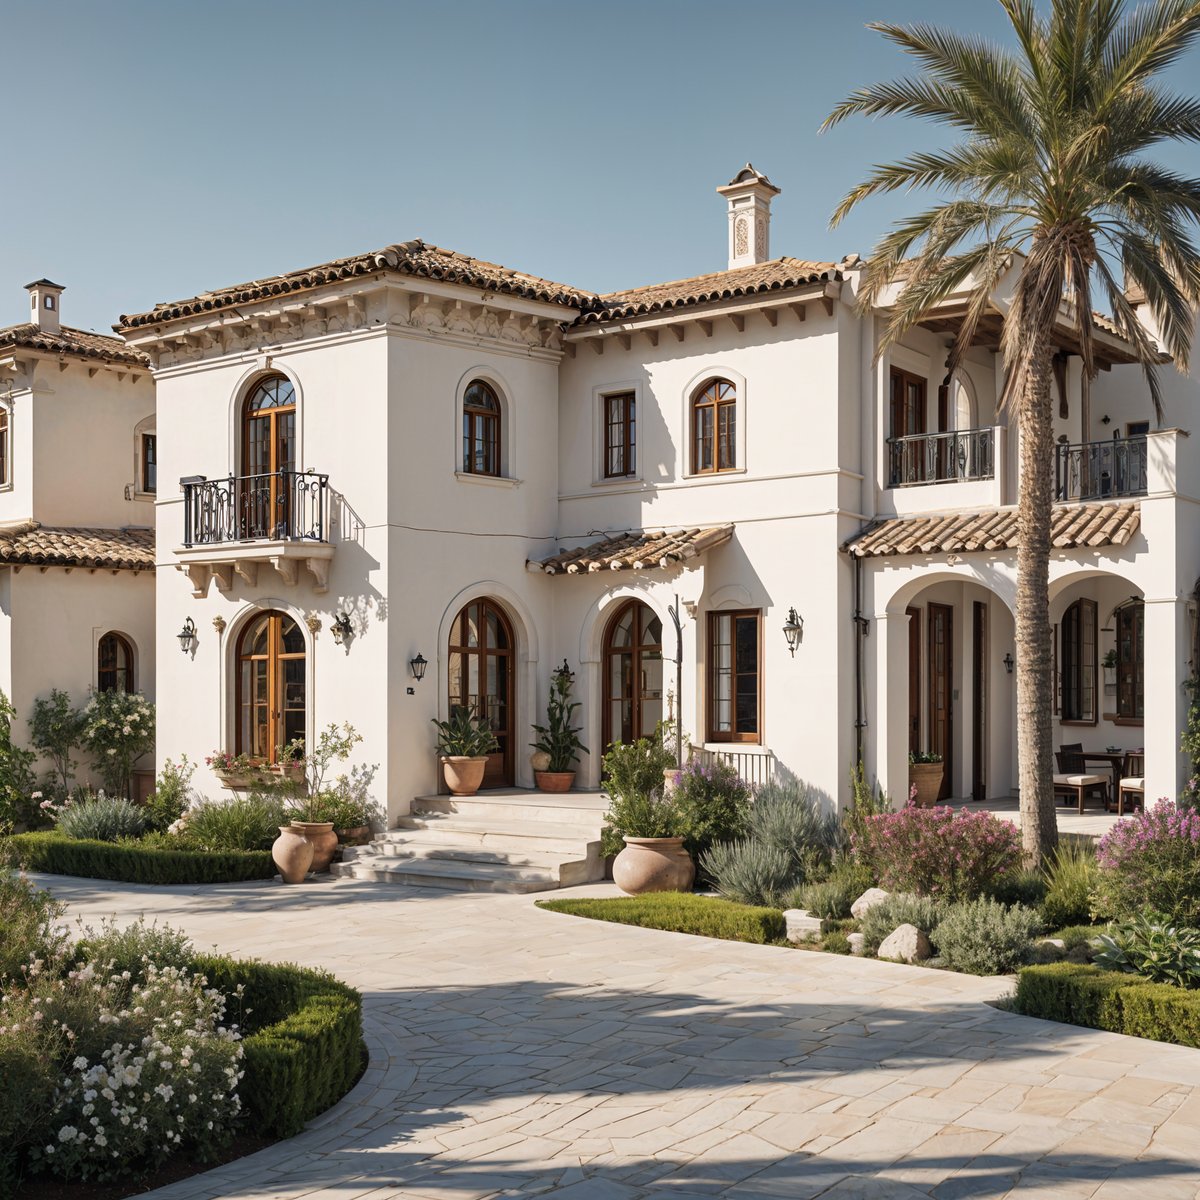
point(635, 550)
point(34, 544)
point(1072, 526)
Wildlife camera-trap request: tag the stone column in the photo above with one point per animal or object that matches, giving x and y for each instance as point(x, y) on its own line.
point(1166, 652)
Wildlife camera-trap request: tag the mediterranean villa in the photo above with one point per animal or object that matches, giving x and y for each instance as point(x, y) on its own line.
point(323, 482)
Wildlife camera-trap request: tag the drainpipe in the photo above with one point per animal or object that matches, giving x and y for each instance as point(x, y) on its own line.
point(860, 632)
point(673, 609)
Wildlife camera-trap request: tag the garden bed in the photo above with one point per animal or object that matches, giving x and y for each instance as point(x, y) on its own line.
point(679, 912)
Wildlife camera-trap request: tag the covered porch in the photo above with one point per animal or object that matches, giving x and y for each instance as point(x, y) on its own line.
point(1092, 823)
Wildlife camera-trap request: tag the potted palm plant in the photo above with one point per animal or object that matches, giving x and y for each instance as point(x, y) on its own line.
point(925, 773)
point(463, 744)
point(558, 745)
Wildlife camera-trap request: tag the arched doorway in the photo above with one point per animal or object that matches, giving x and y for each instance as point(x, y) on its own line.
point(482, 678)
point(633, 674)
point(272, 686)
point(268, 458)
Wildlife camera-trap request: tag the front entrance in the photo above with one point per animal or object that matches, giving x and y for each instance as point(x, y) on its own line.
point(633, 674)
point(482, 679)
point(272, 686)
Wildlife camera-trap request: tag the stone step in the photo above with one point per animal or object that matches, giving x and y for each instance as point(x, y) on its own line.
point(419, 847)
point(580, 810)
point(453, 830)
point(459, 876)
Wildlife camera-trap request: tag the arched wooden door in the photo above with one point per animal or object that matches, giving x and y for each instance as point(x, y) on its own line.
point(272, 686)
point(482, 678)
point(268, 458)
point(633, 674)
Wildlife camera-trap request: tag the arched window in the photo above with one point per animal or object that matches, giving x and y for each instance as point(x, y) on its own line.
point(1078, 663)
point(633, 674)
point(714, 428)
point(482, 678)
point(481, 430)
point(114, 664)
point(1131, 675)
point(272, 685)
point(268, 458)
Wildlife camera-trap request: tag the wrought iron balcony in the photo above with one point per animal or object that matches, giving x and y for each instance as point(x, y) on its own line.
point(283, 506)
point(956, 456)
point(1100, 470)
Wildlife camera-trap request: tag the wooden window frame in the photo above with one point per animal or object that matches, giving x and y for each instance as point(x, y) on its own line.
point(1135, 612)
point(275, 656)
point(626, 447)
point(148, 460)
point(1072, 631)
point(733, 735)
point(708, 399)
point(643, 616)
point(5, 446)
point(472, 414)
point(122, 643)
point(902, 377)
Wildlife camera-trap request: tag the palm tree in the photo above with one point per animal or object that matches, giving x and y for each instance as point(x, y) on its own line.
point(1050, 179)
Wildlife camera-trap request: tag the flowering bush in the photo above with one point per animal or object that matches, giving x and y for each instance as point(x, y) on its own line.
point(713, 803)
point(937, 851)
point(119, 730)
point(18, 803)
point(1152, 860)
point(232, 764)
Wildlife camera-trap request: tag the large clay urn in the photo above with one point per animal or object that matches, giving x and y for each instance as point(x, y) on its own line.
point(653, 865)
point(463, 774)
point(292, 853)
point(323, 840)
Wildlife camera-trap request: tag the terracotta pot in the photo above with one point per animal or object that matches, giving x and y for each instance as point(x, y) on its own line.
point(927, 777)
point(539, 760)
point(554, 781)
point(463, 774)
point(653, 865)
point(324, 842)
point(292, 853)
point(356, 835)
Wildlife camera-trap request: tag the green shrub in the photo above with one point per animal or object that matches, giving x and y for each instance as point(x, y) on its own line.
point(749, 872)
point(1151, 860)
point(836, 942)
point(1070, 880)
point(118, 728)
point(171, 794)
point(638, 805)
point(984, 937)
point(1019, 887)
point(900, 908)
point(1074, 993)
point(132, 947)
point(28, 927)
point(831, 899)
point(19, 799)
point(788, 816)
point(102, 819)
point(713, 805)
point(28, 1080)
point(1161, 1012)
point(56, 731)
point(244, 822)
point(681, 913)
point(1150, 946)
point(135, 862)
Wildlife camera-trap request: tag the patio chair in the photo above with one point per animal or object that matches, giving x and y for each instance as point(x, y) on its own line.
point(1073, 780)
point(1073, 749)
point(1133, 783)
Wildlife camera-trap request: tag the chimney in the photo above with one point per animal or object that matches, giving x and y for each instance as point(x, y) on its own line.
point(749, 195)
point(44, 300)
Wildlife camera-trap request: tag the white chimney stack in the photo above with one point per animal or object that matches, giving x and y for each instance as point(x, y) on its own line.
point(749, 194)
point(44, 301)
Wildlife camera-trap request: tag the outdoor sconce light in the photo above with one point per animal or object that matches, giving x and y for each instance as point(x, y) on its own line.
point(187, 636)
point(1008, 662)
point(793, 630)
point(417, 667)
point(342, 633)
point(565, 673)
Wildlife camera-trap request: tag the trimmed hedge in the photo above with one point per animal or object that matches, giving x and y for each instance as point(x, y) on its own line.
point(1078, 994)
point(681, 912)
point(302, 1039)
point(129, 862)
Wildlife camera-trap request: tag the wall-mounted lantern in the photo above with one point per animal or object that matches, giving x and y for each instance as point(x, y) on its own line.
point(417, 667)
point(793, 630)
point(1008, 661)
point(341, 630)
point(187, 636)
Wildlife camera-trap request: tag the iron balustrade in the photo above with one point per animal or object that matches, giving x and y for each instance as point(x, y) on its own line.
point(753, 767)
point(279, 506)
point(955, 456)
point(1099, 470)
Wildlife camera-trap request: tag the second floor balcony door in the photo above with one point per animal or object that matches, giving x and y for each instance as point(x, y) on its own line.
point(907, 422)
point(269, 459)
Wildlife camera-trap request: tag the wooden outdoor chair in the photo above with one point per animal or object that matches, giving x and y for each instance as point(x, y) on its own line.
point(1073, 749)
point(1132, 784)
point(1073, 780)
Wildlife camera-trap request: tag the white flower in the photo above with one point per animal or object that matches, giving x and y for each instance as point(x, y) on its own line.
point(80, 1064)
point(35, 795)
point(67, 1133)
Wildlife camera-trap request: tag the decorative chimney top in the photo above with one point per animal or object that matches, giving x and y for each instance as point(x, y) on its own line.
point(44, 298)
point(749, 194)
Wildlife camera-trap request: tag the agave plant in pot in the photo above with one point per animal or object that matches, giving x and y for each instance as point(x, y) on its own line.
point(558, 746)
point(463, 744)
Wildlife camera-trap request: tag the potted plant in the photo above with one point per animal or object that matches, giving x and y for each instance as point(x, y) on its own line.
point(558, 745)
point(463, 744)
point(291, 764)
point(234, 770)
point(313, 817)
point(644, 825)
point(925, 774)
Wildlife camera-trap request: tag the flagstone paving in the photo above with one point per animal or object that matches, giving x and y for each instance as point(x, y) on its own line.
point(516, 1052)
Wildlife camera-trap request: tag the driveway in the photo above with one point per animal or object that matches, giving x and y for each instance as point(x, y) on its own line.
point(519, 1052)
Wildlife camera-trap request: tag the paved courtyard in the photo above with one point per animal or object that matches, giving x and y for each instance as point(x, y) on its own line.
point(516, 1052)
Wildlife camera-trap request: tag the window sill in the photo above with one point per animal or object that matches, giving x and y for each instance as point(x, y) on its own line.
point(152, 497)
point(732, 744)
point(488, 480)
point(1087, 724)
point(1138, 722)
point(615, 480)
point(714, 475)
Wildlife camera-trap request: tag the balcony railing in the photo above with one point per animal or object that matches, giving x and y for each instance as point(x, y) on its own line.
point(956, 456)
point(1100, 470)
point(754, 767)
point(280, 506)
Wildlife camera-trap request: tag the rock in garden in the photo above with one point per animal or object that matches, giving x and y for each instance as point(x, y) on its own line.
point(906, 944)
point(800, 926)
point(858, 943)
point(869, 898)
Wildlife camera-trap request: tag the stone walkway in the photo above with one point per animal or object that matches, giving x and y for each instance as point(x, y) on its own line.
point(516, 1052)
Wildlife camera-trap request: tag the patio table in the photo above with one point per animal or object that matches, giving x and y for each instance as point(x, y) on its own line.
point(1116, 762)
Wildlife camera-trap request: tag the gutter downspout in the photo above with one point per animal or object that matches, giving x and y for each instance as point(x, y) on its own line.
point(860, 720)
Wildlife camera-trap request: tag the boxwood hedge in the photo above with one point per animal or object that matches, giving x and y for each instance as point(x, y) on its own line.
point(681, 912)
point(130, 862)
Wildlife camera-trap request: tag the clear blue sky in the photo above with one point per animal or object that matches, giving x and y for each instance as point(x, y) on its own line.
point(156, 150)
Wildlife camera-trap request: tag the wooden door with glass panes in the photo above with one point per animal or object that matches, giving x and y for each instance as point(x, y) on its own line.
point(272, 686)
point(482, 679)
point(633, 674)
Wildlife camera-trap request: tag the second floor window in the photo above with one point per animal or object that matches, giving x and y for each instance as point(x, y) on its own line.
point(5, 450)
point(907, 404)
point(114, 664)
point(714, 428)
point(734, 677)
point(620, 435)
point(1078, 663)
point(1130, 665)
point(481, 430)
point(149, 462)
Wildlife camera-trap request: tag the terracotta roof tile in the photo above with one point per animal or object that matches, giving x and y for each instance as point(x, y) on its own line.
point(1072, 526)
point(776, 275)
point(408, 258)
point(113, 549)
point(71, 341)
point(637, 550)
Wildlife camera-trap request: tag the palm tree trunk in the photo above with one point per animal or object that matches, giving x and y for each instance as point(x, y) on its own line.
point(1035, 682)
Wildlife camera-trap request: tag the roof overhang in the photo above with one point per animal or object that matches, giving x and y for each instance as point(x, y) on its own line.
point(636, 550)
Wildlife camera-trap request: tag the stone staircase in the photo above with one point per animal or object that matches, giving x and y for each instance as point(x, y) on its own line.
point(507, 840)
